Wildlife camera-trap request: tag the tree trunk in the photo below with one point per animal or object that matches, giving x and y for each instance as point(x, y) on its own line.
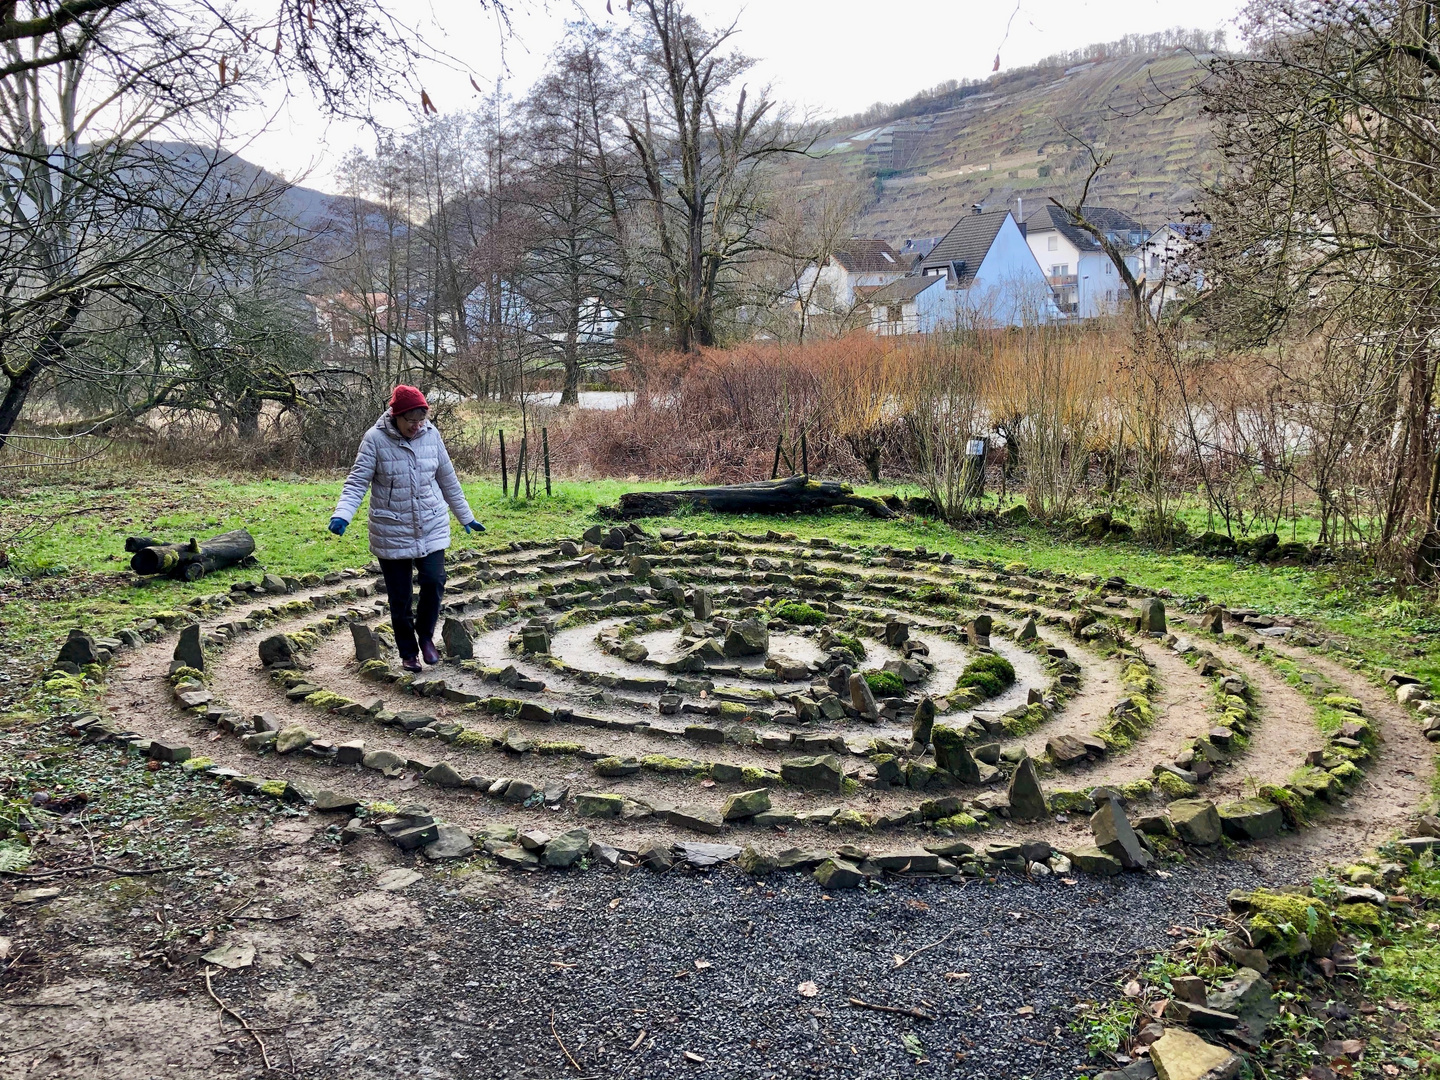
point(14, 400)
point(791, 495)
point(190, 561)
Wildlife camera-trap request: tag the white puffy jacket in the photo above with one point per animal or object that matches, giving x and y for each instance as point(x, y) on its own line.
point(410, 482)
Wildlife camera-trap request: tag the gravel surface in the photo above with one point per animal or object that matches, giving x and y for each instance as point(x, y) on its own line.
point(712, 965)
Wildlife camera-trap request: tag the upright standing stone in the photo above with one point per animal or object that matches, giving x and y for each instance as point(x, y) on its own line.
point(367, 646)
point(952, 755)
point(1028, 632)
point(459, 645)
point(897, 632)
point(924, 722)
point(701, 606)
point(977, 631)
point(1114, 836)
point(79, 649)
point(862, 699)
point(1215, 620)
point(277, 650)
point(1027, 800)
point(188, 649)
point(1151, 619)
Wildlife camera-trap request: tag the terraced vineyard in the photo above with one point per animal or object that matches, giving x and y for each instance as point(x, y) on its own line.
point(625, 700)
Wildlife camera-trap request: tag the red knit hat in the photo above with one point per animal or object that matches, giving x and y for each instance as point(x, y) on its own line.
point(405, 399)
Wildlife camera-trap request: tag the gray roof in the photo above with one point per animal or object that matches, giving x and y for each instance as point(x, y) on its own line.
point(897, 292)
point(1115, 222)
point(967, 243)
point(870, 257)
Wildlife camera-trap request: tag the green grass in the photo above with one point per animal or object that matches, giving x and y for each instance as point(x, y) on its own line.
point(987, 676)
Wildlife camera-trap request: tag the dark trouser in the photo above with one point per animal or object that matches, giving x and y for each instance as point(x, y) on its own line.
point(407, 622)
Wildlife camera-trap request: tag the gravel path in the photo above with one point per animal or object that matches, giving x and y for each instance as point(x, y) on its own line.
point(710, 965)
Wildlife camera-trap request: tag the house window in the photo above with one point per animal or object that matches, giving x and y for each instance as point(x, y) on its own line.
point(892, 312)
point(1060, 270)
point(1109, 296)
point(1052, 244)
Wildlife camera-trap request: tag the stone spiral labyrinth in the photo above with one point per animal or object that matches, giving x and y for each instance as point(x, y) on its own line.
point(627, 700)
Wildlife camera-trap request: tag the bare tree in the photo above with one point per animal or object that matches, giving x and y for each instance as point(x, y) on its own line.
point(701, 146)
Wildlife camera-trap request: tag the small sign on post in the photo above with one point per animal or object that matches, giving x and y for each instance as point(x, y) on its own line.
point(975, 468)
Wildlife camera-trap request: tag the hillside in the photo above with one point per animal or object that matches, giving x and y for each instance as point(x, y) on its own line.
point(1006, 140)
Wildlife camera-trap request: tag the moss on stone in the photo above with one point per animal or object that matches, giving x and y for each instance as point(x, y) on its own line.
point(664, 763)
point(197, 764)
point(751, 774)
point(1018, 726)
point(274, 788)
point(1172, 787)
point(849, 642)
point(987, 676)
point(884, 683)
point(1347, 772)
point(1278, 919)
point(182, 674)
point(1067, 802)
point(470, 739)
point(325, 699)
point(558, 748)
point(1344, 702)
point(849, 819)
point(1366, 915)
point(375, 669)
point(962, 823)
point(801, 614)
point(1135, 790)
point(500, 706)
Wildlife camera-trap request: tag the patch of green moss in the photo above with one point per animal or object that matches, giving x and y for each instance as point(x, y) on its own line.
point(849, 819)
point(733, 711)
point(324, 699)
point(884, 683)
point(180, 675)
point(470, 739)
point(274, 788)
point(374, 669)
point(801, 614)
point(196, 764)
point(1135, 790)
point(1292, 804)
point(1344, 703)
point(1019, 726)
point(1068, 802)
point(663, 763)
point(501, 706)
point(961, 823)
point(1367, 915)
point(1277, 920)
point(987, 676)
point(381, 808)
point(60, 684)
point(750, 774)
point(849, 642)
point(1347, 772)
point(558, 748)
point(1172, 787)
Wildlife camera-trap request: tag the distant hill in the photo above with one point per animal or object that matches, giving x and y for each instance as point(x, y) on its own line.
point(1005, 140)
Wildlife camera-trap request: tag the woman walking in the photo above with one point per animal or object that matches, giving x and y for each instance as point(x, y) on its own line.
point(404, 464)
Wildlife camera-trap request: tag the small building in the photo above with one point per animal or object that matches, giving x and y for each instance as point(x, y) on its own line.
point(980, 273)
point(1167, 261)
point(1085, 282)
point(829, 288)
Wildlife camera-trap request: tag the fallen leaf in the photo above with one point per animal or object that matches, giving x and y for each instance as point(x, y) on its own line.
point(702, 965)
point(913, 1045)
point(1068, 881)
point(614, 903)
point(807, 989)
point(899, 960)
point(1025, 1010)
point(232, 957)
point(707, 783)
point(956, 976)
point(1132, 989)
point(690, 1055)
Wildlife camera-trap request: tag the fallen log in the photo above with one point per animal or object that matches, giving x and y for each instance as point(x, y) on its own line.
point(190, 561)
point(794, 494)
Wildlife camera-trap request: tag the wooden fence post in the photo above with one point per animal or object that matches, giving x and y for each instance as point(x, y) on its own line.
point(775, 469)
point(504, 473)
point(545, 446)
point(804, 456)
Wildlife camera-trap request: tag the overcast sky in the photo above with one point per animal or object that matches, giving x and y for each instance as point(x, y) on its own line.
point(833, 57)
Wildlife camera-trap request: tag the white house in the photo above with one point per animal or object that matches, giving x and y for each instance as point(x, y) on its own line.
point(980, 273)
point(830, 288)
point(1086, 283)
point(1167, 256)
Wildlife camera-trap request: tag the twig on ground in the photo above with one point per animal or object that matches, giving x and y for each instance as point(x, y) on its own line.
point(226, 1009)
point(87, 868)
point(573, 1063)
point(918, 1014)
point(902, 961)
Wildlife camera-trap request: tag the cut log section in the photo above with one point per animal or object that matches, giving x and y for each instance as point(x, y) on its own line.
point(190, 561)
point(794, 494)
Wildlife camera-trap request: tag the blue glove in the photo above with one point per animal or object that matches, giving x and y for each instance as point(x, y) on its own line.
point(337, 525)
point(474, 526)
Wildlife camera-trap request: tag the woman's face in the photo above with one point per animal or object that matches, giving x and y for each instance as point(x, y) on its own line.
point(409, 423)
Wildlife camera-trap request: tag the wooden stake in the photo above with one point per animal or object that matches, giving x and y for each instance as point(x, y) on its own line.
point(545, 446)
point(520, 465)
point(775, 469)
point(804, 456)
point(504, 475)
